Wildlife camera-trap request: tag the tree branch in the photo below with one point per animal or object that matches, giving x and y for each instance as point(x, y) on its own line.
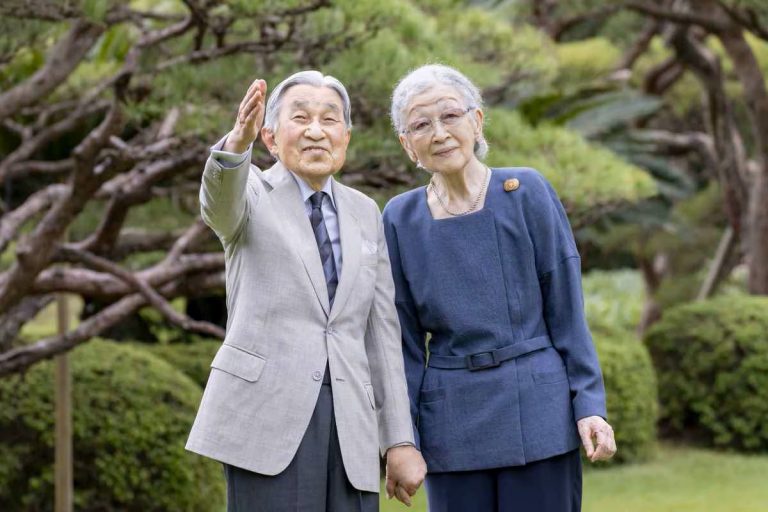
point(141, 286)
point(34, 252)
point(17, 359)
point(640, 45)
point(64, 58)
point(12, 322)
point(36, 203)
point(30, 146)
point(712, 23)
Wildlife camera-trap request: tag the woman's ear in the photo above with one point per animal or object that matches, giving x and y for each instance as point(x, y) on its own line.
point(408, 149)
point(479, 115)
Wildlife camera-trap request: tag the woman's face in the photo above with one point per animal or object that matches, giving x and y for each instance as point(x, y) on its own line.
point(440, 130)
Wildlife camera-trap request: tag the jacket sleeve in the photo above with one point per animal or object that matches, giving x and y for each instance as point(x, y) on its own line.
point(223, 198)
point(382, 345)
point(413, 335)
point(558, 267)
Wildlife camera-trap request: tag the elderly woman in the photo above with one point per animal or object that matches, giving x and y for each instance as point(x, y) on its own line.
point(484, 261)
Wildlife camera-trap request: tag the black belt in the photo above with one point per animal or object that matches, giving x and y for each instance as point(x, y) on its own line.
point(489, 359)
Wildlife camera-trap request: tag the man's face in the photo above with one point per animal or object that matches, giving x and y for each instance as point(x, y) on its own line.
point(311, 138)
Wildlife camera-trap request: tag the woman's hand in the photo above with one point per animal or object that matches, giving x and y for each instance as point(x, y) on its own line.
point(595, 429)
point(250, 116)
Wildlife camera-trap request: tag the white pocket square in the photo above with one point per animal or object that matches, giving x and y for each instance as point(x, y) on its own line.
point(369, 247)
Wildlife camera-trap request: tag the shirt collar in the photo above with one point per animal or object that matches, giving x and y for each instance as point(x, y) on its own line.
point(306, 190)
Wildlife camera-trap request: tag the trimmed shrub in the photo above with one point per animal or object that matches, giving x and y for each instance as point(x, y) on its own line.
point(194, 359)
point(631, 393)
point(131, 415)
point(712, 362)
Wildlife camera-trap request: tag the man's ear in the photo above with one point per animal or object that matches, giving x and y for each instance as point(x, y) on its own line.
point(268, 137)
point(408, 149)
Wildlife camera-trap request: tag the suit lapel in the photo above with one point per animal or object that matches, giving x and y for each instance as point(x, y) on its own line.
point(351, 243)
point(286, 201)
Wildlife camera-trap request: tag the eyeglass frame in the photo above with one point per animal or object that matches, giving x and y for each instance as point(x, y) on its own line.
point(434, 120)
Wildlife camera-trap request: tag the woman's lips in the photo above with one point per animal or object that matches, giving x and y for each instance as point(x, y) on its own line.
point(443, 152)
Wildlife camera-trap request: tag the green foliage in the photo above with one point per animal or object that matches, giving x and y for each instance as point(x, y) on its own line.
point(132, 413)
point(583, 174)
point(498, 51)
point(193, 359)
point(631, 394)
point(585, 61)
point(684, 95)
point(712, 362)
point(613, 303)
point(613, 300)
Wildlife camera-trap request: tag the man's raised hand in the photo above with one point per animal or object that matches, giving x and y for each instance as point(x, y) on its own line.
point(250, 116)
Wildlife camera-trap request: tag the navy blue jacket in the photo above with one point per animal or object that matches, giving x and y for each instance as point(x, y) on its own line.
point(494, 300)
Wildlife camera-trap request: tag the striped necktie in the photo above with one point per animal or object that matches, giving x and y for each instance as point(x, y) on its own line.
point(323, 244)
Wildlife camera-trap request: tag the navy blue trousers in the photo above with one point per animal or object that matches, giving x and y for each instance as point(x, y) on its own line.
point(549, 485)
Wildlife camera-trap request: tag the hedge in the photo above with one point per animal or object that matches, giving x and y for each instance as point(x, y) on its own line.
point(712, 362)
point(631, 394)
point(193, 359)
point(131, 415)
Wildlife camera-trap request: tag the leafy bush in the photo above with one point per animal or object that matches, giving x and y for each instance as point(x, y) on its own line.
point(613, 300)
point(193, 359)
point(630, 385)
point(712, 362)
point(131, 415)
point(584, 175)
point(586, 60)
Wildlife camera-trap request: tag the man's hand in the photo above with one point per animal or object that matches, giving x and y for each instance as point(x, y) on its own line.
point(250, 116)
point(405, 472)
point(595, 427)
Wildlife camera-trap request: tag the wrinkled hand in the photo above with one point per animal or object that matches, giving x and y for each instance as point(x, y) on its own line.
point(595, 428)
point(406, 470)
point(250, 116)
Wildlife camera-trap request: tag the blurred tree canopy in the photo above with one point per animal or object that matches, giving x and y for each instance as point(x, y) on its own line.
point(107, 110)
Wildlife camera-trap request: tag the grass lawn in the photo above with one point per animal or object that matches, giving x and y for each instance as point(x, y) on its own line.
point(678, 480)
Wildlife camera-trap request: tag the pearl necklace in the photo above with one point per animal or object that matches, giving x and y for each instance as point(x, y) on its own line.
point(474, 204)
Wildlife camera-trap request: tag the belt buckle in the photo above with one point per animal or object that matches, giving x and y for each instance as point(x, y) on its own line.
point(474, 367)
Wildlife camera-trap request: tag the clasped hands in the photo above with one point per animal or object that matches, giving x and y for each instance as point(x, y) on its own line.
point(406, 470)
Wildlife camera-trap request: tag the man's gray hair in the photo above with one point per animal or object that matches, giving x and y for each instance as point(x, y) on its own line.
point(431, 75)
point(309, 77)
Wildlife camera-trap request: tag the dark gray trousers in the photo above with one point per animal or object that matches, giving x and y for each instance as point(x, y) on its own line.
point(314, 481)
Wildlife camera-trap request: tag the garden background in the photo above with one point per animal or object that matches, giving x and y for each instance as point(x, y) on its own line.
point(649, 117)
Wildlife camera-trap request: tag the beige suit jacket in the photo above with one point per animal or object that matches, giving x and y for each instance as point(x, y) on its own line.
point(266, 377)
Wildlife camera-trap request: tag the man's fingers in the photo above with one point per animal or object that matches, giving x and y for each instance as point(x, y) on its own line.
point(256, 85)
point(255, 103)
point(402, 495)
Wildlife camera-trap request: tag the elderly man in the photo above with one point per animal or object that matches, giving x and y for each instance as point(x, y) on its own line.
point(309, 383)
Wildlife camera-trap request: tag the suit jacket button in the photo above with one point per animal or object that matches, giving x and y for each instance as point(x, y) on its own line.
point(317, 375)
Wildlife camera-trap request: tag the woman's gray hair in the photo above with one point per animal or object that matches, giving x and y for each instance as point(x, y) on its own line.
point(426, 77)
point(310, 77)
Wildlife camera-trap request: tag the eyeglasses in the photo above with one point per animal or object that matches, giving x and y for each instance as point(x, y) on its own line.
point(426, 125)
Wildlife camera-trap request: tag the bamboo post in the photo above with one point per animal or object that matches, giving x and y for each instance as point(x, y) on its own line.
point(64, 488)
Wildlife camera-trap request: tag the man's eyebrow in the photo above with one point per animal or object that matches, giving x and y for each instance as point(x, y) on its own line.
point(304, 105)
point(300, 104)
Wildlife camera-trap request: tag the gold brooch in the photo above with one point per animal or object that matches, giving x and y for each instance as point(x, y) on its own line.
point(511, 184)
